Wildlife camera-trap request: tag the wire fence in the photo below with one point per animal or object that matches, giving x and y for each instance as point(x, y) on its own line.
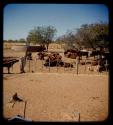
point(78, 68)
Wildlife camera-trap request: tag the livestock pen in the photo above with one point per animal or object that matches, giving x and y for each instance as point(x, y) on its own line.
point(56, 93)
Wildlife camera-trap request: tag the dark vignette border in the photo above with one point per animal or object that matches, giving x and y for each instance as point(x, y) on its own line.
point(108, 3)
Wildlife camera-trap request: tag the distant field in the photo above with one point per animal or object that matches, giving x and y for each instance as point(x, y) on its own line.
point(51, 46)
point(9, 45)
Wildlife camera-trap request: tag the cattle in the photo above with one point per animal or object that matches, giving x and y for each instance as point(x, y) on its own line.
point(62, 64)
point(74, 53)
point(54, 56)
point(36, 48)
point(82, 63)
point(51, 64)
point(90, 68)
point(29, 56)
point(84, 53)
point(71, 50)
point(55, 59)
point(106, 56)
point(71, 53)
point(101, 68)
point(66, 65)
point(94, 62)
point(9, 62)
point(101, 65)
point(95, 53)
point(40, 56)
point(99, 54)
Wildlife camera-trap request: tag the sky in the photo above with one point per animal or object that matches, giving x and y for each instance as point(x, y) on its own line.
point(19, 19)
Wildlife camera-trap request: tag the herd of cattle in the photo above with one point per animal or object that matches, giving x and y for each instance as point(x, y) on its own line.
point(74, 53)
point(101, 59)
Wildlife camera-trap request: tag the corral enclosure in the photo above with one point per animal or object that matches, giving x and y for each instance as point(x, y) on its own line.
point(55, 94)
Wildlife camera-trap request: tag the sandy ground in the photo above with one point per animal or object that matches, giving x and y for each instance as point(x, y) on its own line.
point(55, 95)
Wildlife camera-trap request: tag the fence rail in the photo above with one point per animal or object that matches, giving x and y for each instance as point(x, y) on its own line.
point(38, 66)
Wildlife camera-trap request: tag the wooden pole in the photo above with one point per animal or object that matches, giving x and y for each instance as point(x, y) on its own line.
point(85, 65)
point(70, 66)
point(106, 65)
point(42, 64)
point(49, 64)
point(29, 65)
point(12, 66)
point(79, 117)
point(98, 66)
point(57, 64)
point(77, 61)
point(77, 68)
point(25, 108)
point(64, 66)
point(35, 65)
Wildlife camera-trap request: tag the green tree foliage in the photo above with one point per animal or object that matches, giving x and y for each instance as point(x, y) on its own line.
point(88, 35)
point(42, 35)
point(68, 39)
point(93, 35)
point(22, 40)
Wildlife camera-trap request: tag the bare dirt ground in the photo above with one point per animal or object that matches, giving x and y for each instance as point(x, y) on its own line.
point(58, 95)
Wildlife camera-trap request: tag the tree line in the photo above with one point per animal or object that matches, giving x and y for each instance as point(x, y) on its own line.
point(88, 35)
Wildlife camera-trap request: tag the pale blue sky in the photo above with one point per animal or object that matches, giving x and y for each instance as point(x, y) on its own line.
point(19, 19)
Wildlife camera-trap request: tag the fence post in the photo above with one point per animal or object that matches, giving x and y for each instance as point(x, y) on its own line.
point(77, 62)
point(35, 65)
point(29, 65)
point(57, 64)
point(70, 66)
point(85, 65)
point(106, 65)
point(98, 67)
point(77, 68)
point(64, 66)
point(25, 108)
point(49, 64)
point(79, 117)
point(42, 64)
point(12, 65)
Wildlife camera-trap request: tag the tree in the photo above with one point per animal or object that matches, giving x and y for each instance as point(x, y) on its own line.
point(88, 35)
point(93, 35)
point(22, 40)
point(42, 35)
point(68, 39)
